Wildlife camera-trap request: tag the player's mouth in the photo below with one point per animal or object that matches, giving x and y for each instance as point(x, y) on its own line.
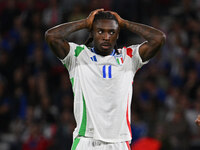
point(106, 45)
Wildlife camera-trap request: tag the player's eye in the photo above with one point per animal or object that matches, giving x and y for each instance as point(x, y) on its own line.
point(112, 32)
point(100, 31)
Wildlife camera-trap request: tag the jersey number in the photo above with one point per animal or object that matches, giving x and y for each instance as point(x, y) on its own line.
point(107, 71)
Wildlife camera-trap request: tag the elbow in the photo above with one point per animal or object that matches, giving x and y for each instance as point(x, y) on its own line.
point(161, 39)
point(51, 36)
point(48, 36)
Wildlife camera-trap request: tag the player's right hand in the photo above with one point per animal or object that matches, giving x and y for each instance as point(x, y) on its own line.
point(90, 18)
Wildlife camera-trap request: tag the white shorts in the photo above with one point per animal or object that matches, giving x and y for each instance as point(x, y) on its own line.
point(83, 143)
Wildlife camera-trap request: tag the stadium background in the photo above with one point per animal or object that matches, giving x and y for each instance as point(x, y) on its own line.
point(36, 100)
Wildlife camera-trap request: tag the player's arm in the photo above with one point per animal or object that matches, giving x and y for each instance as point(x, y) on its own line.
point(198, 120)
point(56, 36)
point(155, 38)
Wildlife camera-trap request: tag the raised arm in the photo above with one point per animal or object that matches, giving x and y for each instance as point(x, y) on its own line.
point(155, 38)
point(56, 36)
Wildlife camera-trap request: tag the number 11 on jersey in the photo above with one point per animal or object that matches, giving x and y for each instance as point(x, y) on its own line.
point(107, 71)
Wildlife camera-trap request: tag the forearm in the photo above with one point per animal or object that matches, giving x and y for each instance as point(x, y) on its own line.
point(155, 38)
point(56, 36)
point(150, 34)
point(64, 30)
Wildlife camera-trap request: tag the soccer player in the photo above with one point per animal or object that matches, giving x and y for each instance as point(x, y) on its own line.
point(198, 120)
point(102, 76)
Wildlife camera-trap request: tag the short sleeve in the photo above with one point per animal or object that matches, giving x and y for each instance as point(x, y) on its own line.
point(70, 60)
point(133, 52)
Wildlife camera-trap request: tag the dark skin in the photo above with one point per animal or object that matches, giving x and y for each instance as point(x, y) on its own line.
point(197, 121)
point(105, 33)
point(102, 33)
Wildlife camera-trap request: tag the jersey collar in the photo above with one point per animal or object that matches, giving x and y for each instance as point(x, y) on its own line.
point(113, 52)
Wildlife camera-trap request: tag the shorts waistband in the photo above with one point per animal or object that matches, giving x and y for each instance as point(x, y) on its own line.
point(94, 142)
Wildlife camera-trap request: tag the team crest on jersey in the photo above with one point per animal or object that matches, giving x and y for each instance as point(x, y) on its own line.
point(119, 59)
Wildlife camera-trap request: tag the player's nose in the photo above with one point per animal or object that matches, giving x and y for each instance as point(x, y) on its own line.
point(106, 36)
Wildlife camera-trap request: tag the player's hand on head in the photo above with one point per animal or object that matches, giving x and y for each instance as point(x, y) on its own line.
point(197, 121)
point(119, 19)
point(90, 18)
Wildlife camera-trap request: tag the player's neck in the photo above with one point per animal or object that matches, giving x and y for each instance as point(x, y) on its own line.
point(112, 53)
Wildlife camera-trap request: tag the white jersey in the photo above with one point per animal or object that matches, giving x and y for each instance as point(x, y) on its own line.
point(102, 87)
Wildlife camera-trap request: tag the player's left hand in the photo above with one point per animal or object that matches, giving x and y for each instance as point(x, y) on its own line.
point(197, 121)
point(119, 19)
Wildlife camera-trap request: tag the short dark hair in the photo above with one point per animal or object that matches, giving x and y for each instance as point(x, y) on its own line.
point(102, 15)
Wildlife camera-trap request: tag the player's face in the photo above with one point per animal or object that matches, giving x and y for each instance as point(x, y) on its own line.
point(105, 33)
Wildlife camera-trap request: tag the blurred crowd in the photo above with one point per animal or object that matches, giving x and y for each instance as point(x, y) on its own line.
point(36, 100)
